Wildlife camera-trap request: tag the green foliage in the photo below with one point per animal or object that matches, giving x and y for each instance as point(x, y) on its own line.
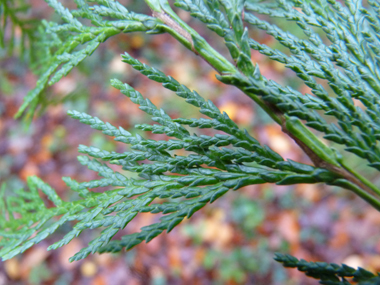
point(350, 50)
point(329, 274)
point(11, 19)
point(184, 195)
point(68, 44)
point(337, 57)
point(309, 60)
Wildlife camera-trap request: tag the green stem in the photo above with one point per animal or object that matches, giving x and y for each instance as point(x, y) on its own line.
point(358, 191)
point(193, 41)
point(180, 30)
point(295, 126)
point(364, 180)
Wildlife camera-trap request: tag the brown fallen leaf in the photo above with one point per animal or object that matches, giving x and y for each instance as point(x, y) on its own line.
point(12, 268)
point(88, 269)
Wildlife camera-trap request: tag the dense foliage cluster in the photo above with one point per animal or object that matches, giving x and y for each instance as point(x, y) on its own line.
point(338, 57)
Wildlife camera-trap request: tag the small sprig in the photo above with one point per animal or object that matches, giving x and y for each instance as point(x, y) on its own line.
point(207, 175)
point(329, 273)
point(77, 41)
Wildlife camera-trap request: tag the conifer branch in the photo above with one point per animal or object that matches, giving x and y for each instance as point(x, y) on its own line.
point(256, 84)
point(209, 166)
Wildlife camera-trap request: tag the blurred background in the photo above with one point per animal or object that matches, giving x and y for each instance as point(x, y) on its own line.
point(231, 241)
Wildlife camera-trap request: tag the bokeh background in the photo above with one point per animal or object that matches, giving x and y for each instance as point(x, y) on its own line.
point(231, 241)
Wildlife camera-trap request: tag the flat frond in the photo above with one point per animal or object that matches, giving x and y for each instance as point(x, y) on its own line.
point(205, 176)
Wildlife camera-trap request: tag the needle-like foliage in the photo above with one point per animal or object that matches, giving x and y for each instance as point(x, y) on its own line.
point(72, 42)
point(329, 273)
point(337, 58)
point(184, 195)
point(12, 21)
